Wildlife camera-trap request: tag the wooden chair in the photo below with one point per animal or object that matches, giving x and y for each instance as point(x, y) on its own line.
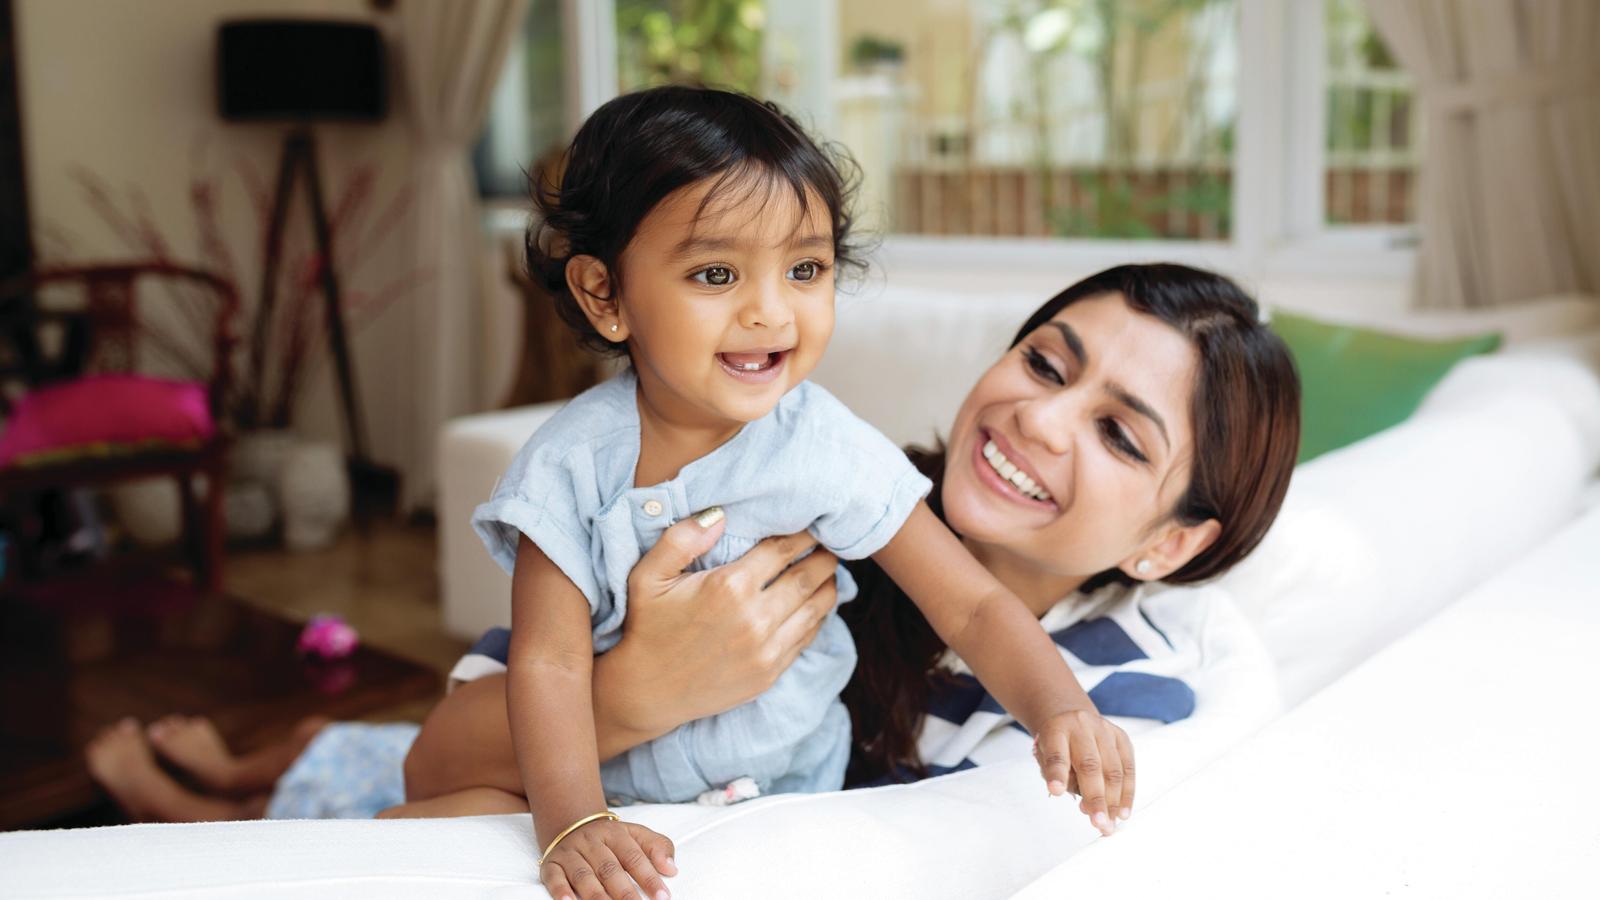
point(106, 334)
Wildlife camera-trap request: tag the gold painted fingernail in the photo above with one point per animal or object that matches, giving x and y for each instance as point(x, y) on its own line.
point(708, 517)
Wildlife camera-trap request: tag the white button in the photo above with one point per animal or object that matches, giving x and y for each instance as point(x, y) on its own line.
point(652, 507)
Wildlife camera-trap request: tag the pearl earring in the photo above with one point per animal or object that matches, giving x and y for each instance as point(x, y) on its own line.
point(1144, 567)
point(613, 328)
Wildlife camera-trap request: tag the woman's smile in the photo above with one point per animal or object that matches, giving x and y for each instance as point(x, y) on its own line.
point(1004, 470)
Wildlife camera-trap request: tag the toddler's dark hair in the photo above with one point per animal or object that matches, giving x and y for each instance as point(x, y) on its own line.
point(640, 147)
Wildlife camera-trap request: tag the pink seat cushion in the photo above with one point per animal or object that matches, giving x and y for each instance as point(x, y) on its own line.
point(105, 414)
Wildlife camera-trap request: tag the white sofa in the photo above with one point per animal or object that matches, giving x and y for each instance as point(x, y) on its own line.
point(1374, 540)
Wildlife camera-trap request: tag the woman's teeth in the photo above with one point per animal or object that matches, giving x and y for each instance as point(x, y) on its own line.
point(1011, 473)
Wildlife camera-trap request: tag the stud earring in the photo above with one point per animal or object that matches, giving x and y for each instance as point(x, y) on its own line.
point(613, 328)
point(1144, 567)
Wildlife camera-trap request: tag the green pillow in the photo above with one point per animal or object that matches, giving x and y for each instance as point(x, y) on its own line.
point(1356, 382)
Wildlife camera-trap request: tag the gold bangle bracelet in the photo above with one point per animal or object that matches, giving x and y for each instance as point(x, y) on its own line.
point(608, 814)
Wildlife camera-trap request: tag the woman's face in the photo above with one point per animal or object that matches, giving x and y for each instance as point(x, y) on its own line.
point(1070, 453)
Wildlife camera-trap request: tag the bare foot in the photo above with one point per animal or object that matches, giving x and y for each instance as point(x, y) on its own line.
point(192, 743)
point(121, 762)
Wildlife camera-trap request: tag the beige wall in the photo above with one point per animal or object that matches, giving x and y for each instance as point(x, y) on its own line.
point(125, 89)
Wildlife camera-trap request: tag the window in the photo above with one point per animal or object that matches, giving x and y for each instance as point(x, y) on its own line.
point(1373, 125)
point(1040, 123)
point(527, 118)
point(1042, 119)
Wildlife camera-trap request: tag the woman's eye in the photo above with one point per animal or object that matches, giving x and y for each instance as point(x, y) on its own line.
point(1041, 366)
point(803, 271)
point(1119, 440)
point(716, 276)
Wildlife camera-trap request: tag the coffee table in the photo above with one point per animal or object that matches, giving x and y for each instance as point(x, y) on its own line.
point(78, 654)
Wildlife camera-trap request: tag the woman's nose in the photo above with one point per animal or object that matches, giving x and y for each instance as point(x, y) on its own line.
point(1048, 420)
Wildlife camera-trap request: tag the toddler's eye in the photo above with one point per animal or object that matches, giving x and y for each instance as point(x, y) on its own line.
point(716, 276)
point(805, 271)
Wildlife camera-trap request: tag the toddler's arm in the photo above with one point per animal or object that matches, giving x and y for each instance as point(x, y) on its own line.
point(993, 631)
point(552, 731)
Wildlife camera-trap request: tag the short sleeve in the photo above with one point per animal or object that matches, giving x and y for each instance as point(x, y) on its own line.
point(538, 497)
point(879, 488)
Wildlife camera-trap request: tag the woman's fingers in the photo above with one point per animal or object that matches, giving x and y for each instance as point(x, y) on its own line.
point(811, 589)
point(678, 546)
point(767, 560)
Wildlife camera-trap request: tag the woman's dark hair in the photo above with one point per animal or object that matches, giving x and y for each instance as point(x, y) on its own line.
point(640, 147)
point(1246, 420)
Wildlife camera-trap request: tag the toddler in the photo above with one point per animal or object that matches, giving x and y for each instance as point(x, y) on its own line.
point(698, 233)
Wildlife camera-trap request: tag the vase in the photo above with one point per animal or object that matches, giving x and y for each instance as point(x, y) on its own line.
point(313, 494)
point(248, 504)
point(150, 511)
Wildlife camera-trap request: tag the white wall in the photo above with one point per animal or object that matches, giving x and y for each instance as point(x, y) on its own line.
point(126, 90)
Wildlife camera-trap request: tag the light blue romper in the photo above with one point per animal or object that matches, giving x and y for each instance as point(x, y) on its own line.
point(810, 464)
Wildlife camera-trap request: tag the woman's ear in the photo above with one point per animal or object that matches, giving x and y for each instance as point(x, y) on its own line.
point(591, 285)
point(1174, 546)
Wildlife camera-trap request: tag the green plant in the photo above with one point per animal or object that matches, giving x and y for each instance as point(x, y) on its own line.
point(870, 49)
point(714, 42)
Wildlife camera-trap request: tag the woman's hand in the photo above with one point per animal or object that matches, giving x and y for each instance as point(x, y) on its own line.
point(604, 859)
point(1082, 752)
point(697, 643)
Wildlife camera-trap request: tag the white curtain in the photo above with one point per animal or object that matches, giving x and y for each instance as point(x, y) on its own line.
point(1510, 195)
point(453, 52)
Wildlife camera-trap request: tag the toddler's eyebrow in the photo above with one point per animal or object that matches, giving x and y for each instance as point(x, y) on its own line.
point(691, 245)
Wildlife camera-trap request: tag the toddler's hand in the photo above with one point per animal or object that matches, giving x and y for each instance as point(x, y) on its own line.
point(604, 858)
point(1081, 751)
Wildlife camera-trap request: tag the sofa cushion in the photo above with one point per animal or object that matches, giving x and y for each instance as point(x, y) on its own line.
point(1356, 382)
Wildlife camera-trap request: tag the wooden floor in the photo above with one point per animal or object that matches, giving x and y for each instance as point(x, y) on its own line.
point(384, 582)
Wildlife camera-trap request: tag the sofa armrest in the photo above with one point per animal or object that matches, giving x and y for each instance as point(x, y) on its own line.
point(475, 594)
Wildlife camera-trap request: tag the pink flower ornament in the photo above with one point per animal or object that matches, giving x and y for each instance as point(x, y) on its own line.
point(328, 637)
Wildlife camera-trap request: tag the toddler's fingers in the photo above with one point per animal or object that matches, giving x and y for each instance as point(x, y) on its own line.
point(1111, 766)
point(618, 883)
point(639, 867)
point(555, 881)
point(1126, 748)
point(1091, 779)
point(658, 846)
point(1052, 750)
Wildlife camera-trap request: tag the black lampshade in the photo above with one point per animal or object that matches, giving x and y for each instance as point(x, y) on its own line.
point(300, 69)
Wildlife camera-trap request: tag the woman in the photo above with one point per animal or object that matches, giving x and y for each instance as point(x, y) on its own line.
point(1149, 402)
point(1157, 414)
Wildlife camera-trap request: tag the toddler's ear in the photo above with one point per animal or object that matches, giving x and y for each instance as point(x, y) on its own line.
point(590, 283)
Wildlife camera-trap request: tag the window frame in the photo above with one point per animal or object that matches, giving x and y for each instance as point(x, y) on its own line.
point(1278, 226)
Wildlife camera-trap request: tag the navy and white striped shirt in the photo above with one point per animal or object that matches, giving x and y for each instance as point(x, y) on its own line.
point(1135, 650)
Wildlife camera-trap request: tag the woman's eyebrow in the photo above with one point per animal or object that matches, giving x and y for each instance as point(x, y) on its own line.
point(1127, 399)
point(1074, 343)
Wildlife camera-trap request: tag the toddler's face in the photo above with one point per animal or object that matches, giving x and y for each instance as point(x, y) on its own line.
point(729, 309)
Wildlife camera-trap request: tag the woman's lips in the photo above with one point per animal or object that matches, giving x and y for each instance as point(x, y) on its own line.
point(990, 478)
point(749, 368)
